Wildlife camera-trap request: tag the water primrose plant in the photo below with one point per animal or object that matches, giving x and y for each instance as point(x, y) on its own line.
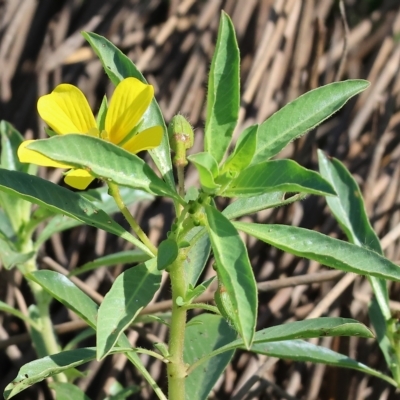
point(198, 349)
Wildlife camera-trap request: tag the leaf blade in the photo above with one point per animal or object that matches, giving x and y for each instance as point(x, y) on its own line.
point(303, 114)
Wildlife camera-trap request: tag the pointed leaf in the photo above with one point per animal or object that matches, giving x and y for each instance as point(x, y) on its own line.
point(207, 168)
point(277, 175)
point(121, 257)
point(167, 253)
point(349, 210)
point(118, 67)
point(303, 114)
point(10, 141)
point(312, 328)
point(324, 249)
point(223, 99)
point(197, 255)
point(10, 257)
point(234, 272)
point(61, 200)
point(104, 160)
point(38, 370)
point(251, 205)
point(300, 350)
point(244, 151)
point(209, 333)
point(130, 292)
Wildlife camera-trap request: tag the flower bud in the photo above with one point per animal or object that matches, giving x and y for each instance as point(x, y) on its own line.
point(180, 133)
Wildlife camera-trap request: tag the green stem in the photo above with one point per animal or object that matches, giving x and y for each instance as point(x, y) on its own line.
point(207, 307)
point(180, 168)
point(45, 328)
point(114, 192)
point(176, 368)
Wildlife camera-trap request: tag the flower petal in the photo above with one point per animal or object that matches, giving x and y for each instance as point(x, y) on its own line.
point(66, 110)
point(78, 178)
point(130, 100)
point(33, 157)
point(145, 140)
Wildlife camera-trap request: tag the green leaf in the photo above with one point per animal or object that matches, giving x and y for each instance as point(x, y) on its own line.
point(100, 198)
point(118, 67)
point(101, 115)
point(348, 206)
point(197, 254)
point(380, 325)
point(67, 391)
point(234, 272)
point(10, 141)
point(209, 333)
point(61, 200)
point(10, 257)
point(11, 310)
point(207, 168)
point(324, 249)
point(251, 205)
point(90, 153)
point(121, 257)
point(312, 328)
point(73, 298)
point(349, 210)
point(67, 293)
point(244, 151)
point(299, 350)
point(303, 114)
point(277, 175)
point(167, 253)
point(223, 98)
point(130, 292)
point(38, 370)
point(194, 292)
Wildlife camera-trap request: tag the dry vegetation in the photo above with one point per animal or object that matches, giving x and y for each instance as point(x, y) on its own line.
point(287, 47)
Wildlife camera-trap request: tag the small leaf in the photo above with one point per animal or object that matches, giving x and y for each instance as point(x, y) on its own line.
point(277, 175)
point(67, 391)
point(234, 272)
point(101, 115)
point(167, 253)
point(118, 67)
point(251, 205)
point(10, 141)
point(61, 200)
point(90, 153)
point(324, 249)
point(10, 257)
point(244, 151)
point(303, 114)
point(130, 292)
point(223, 97)
point(201, 339)
point(121, 257)
point(207, 168)
point(300, 350)
point(197, 254)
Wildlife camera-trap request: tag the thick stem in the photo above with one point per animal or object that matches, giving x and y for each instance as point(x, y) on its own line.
point(114, 192)
point(176, 368)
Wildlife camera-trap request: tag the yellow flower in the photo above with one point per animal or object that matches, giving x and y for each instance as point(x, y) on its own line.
point(66, 110)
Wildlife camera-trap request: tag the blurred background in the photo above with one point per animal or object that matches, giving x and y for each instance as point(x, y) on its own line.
point(287, 48)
